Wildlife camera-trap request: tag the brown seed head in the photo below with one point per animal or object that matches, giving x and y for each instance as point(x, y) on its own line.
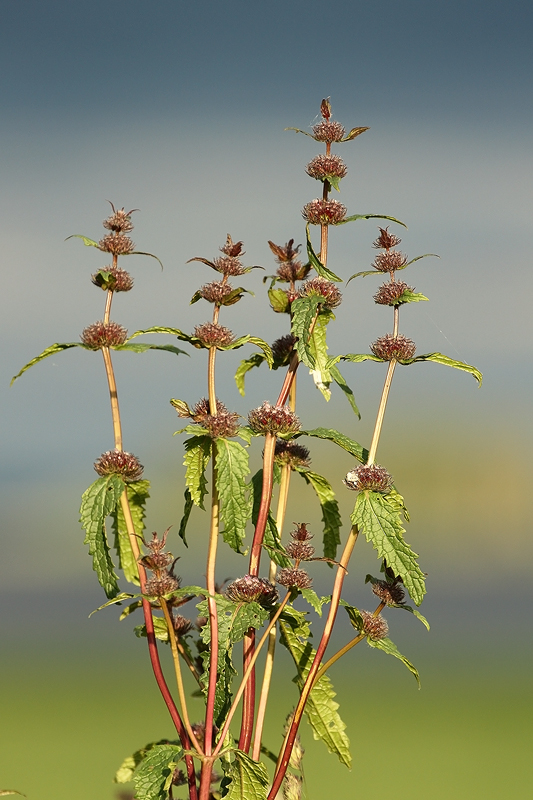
point(101, 334)
point(273, 419)
point(328, 131)
point(388, 347)
point(386, 240)
point(282, 349)
point(324, 212)
point(325, 108)
point(374, 627)
point(118, 279)
point(250, 589)
point(323, 167)
point(389, 593)
point(229, 265)
point(371, 477)
point(292, 453)
point(161, 585)
point(216, 292)
point(300, 551)
point(232, 248)
point(117, 462)
point(389, 261)
point(389, 293)
point(213, 335)
point(120, 220)
point(290, 267)
point(117, 244)
point(321, 287)
point(294, 578)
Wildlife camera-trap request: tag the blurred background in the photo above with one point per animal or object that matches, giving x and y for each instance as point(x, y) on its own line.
point(179, 110)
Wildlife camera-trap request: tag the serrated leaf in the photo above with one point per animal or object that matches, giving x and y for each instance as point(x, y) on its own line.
point(304, 312)
point(314, 260)
point(137, 492)
point(341, 383)
point(187, 508)
point(245, 433)
point(141, 347)
point(355, 217)
point(85, 239)
point(150, 776)
point(321, 709)
point(297, 621)
point(118, 599)
point(125, 772)
point(97, 503)
point(338, 438)
point(246, 779)
point(439, 358)
point(353, 133)
point(314, 600)
point(160, 629)
point(390, 648)
point(58, 347)
point(380, 521)
point(231, 461)
point(355, 358)
point(319, 349)
point(410, 297)
point(330, 511)
point(196, 459)
point(271, 540)
point(278, 300)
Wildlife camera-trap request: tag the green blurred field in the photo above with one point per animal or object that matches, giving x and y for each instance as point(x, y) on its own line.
point(466, 734)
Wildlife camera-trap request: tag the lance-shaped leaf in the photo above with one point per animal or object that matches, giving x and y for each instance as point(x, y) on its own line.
point(305, 310)
point(137, 493)
point(330, 510)
point(153, 776)
point(417, 614)
point(91, 243)
point(245, 779)
point(160, 629)
point(410, 297)
point(355, 217)
point(58, 347)
point(315, 262)
point(142, 347)
point(350, 445)
point(356, 358)
point(231, 461)
point(321, 709)
point(319, 349)
point(380, 521)
point(162, 329)
point(97, 503)
point(187, 508)
point(271, 541)
point(196, 459)
point(390, 648)
point(242, 340)
point(5, 792)
point(439, 358)
point(245, 366)
point(114, 601)
point(353, 133)
point(85, 239)
point(341, 383)
point(228, 300)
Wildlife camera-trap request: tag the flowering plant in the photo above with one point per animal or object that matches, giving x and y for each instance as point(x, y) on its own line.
point(220, 755)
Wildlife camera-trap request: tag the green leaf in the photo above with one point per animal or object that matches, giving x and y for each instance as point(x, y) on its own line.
point(379, 272)
point(355, 217)
point(137, 493)
point(4, 792)
point(412, 261)
point(417, 614)
point(231, 461)
point(118, 599)
point(439, 358)
point(390, 648)
point(186, 514)
point(321, 709)
point(58, 347)
point(197, 455)
point(271, 540)
point(319, 350)
point(298, 130)
point(278, 300)
point(350, 445)
point(245, 366)
point(364, 274)
point(125, 772)
point(341, 383)
point(152, 776)
point(356, 358)
point(160, 629)
point(314, 260)
point(242, 340)
point(163, 329)
point(130, 609)
point(304, 312)
point(142, 347)
point(330, 511)
point(246, 779)
point(410, 297)
point(97, 503)
point(353, 133)
point(314, 600)
point(86, 241)
point(142, 253)
point(380, 521)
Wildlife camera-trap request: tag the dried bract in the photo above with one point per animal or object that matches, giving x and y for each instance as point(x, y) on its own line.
point(386, 240)
point(120, 220)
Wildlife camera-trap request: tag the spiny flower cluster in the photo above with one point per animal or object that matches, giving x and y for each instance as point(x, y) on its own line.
point(389, 593)
point(103, 334)
point(320, 287)
point(299, 548)
point(291, 453)
point(113, 279)
point(273, 419)
point(222, 424)
point(390, 260)
point(324, 212)
point(117, 462)
point(374, 627)
point(162, 565)
point(293, 578)
point(370, 477)
point(323, 167)
point(120, 220)
point(389, 293)
point(211, 334)
point(389, 346)
point(216, 292)
point(229, 263)
point(290, 267)
point(328, 131)
point(250, 589)
point(282, 349)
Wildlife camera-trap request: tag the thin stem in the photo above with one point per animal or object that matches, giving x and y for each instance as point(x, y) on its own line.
point(346, 647)
point(211, 381)
point(108, 301)
point(384, 396)
point(113, 396)
point(248, 673)
point(185, 656)
point(179, 677)
point(315, 666)
point(213, 614)
point(266, 497)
